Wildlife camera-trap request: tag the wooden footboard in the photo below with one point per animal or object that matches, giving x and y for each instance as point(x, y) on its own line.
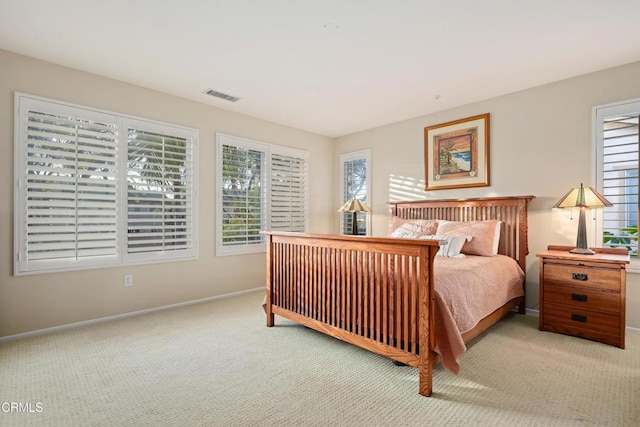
point(376, 293)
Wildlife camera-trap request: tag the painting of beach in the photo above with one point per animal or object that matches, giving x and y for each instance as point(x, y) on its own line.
point(457, 153)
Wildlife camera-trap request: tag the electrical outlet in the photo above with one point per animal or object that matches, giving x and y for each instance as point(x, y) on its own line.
point(128, 280)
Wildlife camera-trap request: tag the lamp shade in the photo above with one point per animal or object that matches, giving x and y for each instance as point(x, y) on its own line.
point(354, 205)
point(583, 198)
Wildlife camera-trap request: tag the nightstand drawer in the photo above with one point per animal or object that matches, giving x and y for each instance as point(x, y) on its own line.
point(583, 323)
point(601, 278)
point(583, 298)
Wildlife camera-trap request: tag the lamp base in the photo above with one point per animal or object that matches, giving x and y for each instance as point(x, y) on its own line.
point(354, 224)
point(582, 251)
point(581, 242)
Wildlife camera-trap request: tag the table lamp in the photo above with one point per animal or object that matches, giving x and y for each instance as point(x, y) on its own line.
point(583, 198)
point(354, 206)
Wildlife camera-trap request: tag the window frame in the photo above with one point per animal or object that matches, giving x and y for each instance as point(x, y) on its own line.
point(21, 265)
point(176, 131)
point(599, 113)
point(347, 157)
point(224, 139)
point(268, 150)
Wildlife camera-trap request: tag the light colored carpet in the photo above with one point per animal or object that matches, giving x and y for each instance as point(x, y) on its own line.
point(216, 364)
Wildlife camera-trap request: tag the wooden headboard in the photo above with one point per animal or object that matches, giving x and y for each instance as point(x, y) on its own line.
point(512, 211)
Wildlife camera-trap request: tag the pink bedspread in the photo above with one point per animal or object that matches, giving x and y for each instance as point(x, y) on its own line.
point(467, 290)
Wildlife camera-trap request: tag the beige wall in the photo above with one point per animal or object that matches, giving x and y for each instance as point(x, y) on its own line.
point(34, 302)
point(541, 144)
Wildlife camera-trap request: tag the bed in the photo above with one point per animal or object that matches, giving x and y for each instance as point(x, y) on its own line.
point(379, 293)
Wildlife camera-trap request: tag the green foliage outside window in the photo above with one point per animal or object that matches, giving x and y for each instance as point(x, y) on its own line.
point(627, 238)
point(242, 195)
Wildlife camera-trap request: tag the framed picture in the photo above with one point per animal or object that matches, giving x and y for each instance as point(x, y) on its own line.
point(456, 154)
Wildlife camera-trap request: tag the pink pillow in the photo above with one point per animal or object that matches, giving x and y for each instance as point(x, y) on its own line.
point(413, 226)
point(485, 235)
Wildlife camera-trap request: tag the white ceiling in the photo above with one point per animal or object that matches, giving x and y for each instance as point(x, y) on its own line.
point(332, 67)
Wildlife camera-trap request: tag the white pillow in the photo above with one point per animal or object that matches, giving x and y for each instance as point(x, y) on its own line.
point(450, 246)
point(496, 238)
point(405, 233)
point(414, 226)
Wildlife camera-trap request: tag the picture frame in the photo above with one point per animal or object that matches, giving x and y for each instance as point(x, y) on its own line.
point(456, 154)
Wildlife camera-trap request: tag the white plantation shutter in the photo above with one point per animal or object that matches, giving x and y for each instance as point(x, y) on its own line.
point(260, 187)
point(71, 201)
point(159, 192)
point(288, 192)
point(241, 171)
point(619, 147)
point(68, 187)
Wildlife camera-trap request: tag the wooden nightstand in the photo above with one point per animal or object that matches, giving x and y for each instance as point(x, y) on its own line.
point(584, 295)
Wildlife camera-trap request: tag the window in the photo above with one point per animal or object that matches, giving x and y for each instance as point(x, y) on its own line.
point(617, 147)
point(241, 171)
point(288, 195)
point(99, 189)
point(160, 202)
point(355, 182)
point(260, 187)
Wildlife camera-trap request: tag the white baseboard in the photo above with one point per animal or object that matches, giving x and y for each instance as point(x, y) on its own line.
point(632, 330)
point(124, 315)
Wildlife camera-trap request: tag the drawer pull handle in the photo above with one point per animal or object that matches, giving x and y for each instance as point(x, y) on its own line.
point(579, 276)
point(578, 297)
point(579, 318)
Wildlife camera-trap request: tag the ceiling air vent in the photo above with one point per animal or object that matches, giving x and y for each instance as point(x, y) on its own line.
point(221, 95)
